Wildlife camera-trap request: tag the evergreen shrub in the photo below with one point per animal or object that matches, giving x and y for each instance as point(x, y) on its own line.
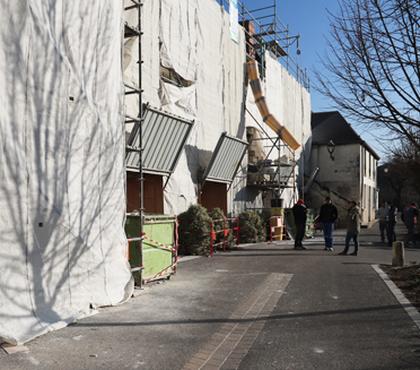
point(252, 227)
point(194, 231)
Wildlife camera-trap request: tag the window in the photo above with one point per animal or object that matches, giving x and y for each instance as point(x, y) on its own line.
point(169, 75)
point(365, 189)
point(364, 162)
point(375, 163)
point(375, 199)
point(374, 169)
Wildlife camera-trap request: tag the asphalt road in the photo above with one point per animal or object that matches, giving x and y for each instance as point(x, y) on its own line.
point(263, 307)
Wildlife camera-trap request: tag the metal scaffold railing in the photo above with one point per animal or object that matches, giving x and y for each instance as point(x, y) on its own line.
point(136, 31)
point(276, 172)
point(269, 34)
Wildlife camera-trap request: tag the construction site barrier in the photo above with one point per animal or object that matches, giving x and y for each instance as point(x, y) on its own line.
point(273, 227)
point(129, 241)
point(156, 266)
point(230, 226)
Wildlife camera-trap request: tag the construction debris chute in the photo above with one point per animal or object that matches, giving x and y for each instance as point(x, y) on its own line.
point(261, 103)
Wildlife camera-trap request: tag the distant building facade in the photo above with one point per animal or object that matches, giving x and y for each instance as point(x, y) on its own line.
point(343, 166)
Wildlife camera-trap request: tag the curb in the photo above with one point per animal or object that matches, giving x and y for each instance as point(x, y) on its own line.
point(188, 258)
point(399, 295)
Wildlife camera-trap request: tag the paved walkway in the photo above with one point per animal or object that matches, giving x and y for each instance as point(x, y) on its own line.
point(263, 307)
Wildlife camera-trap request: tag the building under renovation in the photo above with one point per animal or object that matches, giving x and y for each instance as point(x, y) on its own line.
point(195, 73)
point(110, 107)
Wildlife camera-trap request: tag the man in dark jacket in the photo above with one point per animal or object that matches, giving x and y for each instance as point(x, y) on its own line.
point(299, 213)
point(390, 225)
point(327, 216)
point(410, 216)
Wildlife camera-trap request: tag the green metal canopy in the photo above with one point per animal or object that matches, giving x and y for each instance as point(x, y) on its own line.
point(164, 136)
point(226, 159)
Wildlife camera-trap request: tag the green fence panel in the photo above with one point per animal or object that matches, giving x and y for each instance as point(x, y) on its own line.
point(159, 232)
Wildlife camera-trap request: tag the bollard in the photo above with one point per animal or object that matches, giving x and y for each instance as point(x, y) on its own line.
point(398, 254)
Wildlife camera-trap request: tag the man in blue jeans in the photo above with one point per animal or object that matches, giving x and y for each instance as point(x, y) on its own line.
point(327, 216)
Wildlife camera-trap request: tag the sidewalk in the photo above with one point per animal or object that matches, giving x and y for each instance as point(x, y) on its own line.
point(262, 307)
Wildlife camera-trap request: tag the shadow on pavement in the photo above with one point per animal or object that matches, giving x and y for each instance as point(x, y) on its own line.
point(305, 253)
point(262, 249)
point(247, 320)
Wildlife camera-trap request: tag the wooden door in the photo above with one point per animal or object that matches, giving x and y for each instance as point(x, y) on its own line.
point(214, 195)
point(153, 193)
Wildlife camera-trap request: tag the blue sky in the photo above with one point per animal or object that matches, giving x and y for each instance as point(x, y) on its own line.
point(309, 18)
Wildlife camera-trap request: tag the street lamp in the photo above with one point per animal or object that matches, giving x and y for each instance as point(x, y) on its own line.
point(331, 149)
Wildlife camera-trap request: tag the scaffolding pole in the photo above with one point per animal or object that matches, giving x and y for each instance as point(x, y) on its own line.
point(280, 183)
point(136, 31)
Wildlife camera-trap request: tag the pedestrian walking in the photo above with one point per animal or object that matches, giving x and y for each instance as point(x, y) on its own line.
point(410, 217)
point(327, 216)
point(382, 216)
point(353, 229)
point(300, 214)
point(390, 225)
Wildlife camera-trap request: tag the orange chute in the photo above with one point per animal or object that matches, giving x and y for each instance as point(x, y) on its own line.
point(268, 118)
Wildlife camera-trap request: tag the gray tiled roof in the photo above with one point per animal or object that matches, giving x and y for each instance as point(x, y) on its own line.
point(327, 126)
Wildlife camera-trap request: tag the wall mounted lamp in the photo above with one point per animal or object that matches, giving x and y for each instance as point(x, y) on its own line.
point(331, 149)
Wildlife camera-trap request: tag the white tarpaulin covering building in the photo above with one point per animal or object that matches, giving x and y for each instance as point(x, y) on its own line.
point(62, 201)
point(290, 102)
point(62, 141)
point(193, 40)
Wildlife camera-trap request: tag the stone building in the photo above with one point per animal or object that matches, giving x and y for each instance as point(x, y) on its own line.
point(343, 166)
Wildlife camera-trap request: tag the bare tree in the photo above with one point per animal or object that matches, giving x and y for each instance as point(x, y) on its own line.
point(399, 176)
point(407, 157)
point(374, 64)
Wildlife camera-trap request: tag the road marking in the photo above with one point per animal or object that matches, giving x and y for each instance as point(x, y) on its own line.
point(34, 361)
point(399, 295)
point(232, 342)
point(188, 258)
point(11, 349)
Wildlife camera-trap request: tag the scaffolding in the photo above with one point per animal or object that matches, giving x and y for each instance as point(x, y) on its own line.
point(270, 34)
point(131, 31)
point(264, 32)
point(276, 171)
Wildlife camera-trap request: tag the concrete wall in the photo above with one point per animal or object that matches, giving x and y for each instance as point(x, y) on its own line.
point(338, 177)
